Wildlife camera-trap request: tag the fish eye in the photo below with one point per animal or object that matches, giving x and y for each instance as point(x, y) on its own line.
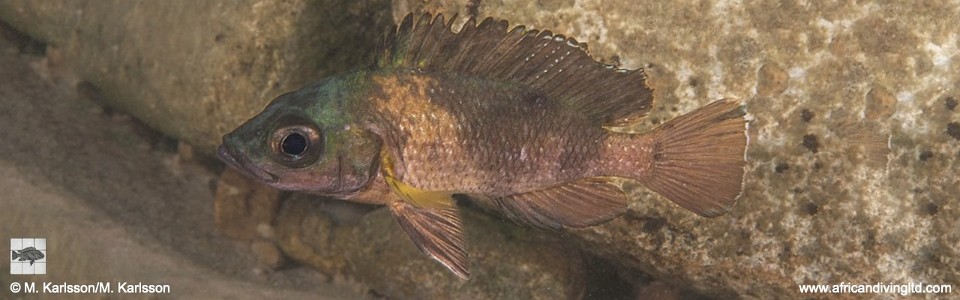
point(297, 145)
point(294, 144)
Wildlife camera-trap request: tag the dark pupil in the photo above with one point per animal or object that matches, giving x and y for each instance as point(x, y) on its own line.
point(294, 144)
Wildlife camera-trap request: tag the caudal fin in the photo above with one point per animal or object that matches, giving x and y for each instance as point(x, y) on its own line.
point(13, 255)
point(698, 158)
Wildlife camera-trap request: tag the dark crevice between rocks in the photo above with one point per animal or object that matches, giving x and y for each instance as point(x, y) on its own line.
point(609, 281)
point(157, 140)
point(950, 103)
point(25, 44)
point(98, 156)
point(604, 282)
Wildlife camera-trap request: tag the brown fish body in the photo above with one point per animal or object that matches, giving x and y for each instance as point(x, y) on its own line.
point(470, 135)
point(522, 121)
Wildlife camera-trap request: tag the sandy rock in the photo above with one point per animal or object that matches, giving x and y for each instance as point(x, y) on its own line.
point(881, 104)
point(243, 206)
point(268, 254)
point(771, 80)
point(817, 79)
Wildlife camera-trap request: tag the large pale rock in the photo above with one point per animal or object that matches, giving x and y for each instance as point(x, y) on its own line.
point(824, 202)
point(114, 203)
point(197, 69)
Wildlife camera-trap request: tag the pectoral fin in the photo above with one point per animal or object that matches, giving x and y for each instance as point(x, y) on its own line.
point(577, 204)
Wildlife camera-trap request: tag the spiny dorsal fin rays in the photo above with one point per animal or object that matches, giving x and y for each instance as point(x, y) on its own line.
point(559, 67)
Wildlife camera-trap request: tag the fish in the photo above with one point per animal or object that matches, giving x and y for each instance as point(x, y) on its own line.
point(521, 121)
point(28, 253)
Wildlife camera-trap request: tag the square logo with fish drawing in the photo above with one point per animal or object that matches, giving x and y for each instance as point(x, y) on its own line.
point(28, 256)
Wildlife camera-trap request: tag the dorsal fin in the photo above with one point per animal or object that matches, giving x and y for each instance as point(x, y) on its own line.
point(558, 67)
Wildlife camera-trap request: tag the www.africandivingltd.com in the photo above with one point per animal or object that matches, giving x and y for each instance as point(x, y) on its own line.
point(876, 288)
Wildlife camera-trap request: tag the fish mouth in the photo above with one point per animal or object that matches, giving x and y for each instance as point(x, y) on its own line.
point(244, 165)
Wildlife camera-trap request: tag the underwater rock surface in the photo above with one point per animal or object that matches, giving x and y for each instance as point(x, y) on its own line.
point(196, 70)
point(347, 241)
point(510, 262)
point(828, 86)
point(115, 200)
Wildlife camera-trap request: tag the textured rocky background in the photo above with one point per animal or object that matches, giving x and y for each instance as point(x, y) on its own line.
point(196, 69)
point(116, 200)
point(855, 139)
point(829, 86)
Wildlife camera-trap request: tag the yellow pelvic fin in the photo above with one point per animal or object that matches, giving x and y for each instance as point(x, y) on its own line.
point(413, 195)
point(430, 219)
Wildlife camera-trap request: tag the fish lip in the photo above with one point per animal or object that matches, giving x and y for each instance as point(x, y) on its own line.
point(244, 165)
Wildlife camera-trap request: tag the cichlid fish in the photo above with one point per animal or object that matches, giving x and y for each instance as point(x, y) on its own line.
point(521, 121)
point(28, 253)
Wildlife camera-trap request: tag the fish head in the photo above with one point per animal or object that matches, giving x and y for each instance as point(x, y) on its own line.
point(303, 141)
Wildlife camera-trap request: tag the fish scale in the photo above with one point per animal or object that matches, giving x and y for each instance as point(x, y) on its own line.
point(480, 153)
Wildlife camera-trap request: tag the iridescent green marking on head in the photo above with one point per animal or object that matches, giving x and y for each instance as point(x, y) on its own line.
point(305, 141)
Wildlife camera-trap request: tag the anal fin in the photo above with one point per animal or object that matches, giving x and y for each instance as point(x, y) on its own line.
point(577, 204)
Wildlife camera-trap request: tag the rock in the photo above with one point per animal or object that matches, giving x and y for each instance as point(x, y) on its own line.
point(243, 208)
point(196, 70)
point(771, 80)
point(507, 262)
point(806, 73)
point(658, 290)
point(111, 211)
point(185, 152)
point(268, 254)
point(806, 217)
point(880, 104)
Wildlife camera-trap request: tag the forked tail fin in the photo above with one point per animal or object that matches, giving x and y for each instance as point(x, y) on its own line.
point(698, 158)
